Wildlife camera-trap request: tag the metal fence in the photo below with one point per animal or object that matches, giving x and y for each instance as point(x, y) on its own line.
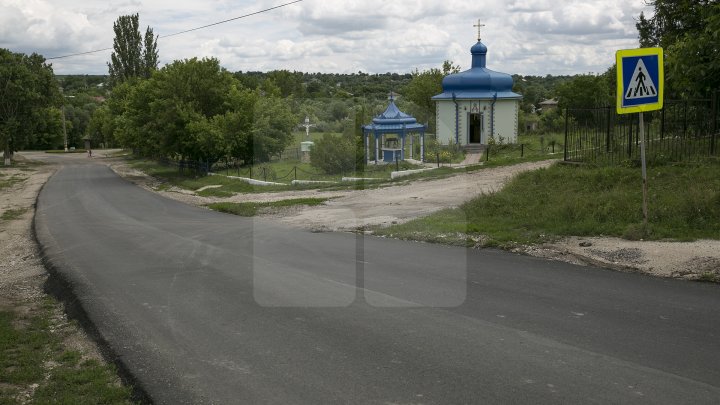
point(684, 130)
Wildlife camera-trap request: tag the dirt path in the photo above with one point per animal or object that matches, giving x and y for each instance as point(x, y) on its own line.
point(352, 210)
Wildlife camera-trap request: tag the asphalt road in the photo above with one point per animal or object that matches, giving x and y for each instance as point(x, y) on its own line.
point(204, 307)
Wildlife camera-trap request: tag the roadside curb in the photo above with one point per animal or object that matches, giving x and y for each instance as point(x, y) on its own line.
point(64, 288)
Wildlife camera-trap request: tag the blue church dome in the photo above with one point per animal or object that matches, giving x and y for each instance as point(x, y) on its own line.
point(478, 82)
point(393, 116)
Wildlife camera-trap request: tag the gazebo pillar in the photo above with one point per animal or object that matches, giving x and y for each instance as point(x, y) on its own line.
point(367, 147)
point(412, 145)
point(422, 147)
point(402, 144)
point(377, 148)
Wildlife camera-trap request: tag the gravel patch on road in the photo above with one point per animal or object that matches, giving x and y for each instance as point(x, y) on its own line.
point(686, 260)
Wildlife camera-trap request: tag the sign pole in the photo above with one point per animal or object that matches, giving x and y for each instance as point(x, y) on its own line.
point(644, 171)
point(640, 80)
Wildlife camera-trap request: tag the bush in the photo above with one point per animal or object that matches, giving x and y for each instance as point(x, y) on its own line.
point(334, 155)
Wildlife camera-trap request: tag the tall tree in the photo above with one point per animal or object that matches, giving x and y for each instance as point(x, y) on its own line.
point(133, 56)
point(426, 84)
point(27, 86)
point(688, 31)
point(195, 109)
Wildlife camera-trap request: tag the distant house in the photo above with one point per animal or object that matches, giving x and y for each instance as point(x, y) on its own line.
point(548, 105)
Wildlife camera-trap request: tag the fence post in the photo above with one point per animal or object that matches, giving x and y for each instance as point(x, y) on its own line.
point(522, 150)
point(607, 135)
point(630, 137)
point(438, 158)
point(397, 163)
point(295, 168)
point(565, 153)
point(487, 153)
point(264, 174)
point(714, 110)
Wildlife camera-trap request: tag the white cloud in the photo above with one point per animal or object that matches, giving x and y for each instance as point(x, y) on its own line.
point(523, 36)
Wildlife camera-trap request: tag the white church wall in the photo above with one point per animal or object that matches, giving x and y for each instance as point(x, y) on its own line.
point(506, 120)
point(445, 122)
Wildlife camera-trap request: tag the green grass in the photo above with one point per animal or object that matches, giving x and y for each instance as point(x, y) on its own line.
point(287, 170)
point(684, 204)
point(27, 346)
point(529, 148)
point(11, 181)
point(250, 209)
point(10, 215)
point(280, 172)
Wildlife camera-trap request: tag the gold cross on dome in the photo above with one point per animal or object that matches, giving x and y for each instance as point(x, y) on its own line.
point(479, 27)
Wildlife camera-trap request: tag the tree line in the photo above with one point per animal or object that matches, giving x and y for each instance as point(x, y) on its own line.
point(195, 109)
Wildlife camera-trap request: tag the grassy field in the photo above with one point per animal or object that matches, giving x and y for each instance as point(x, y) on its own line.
point(281, 172)
point(250, 209)
point(528, 148)
point(684, 204)
point(285, 171)
point(29, 342)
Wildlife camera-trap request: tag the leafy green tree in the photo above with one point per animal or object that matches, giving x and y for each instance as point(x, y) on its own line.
point(133, 56)
point(272, 127)
point(693, 62)
point(290, 84)
point(194, 109)
point(424, 85)
point(688, 31)
point(27, 86)
point(48, 130)
point(671, 21)
point(584, 91)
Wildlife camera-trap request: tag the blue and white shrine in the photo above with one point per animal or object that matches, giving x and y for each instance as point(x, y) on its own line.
point(393, 133)
point(477, 104)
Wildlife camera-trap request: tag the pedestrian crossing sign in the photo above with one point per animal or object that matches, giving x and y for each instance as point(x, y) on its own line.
point(640, 80)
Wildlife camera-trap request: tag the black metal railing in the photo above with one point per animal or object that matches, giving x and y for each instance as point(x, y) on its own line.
point(684, 130)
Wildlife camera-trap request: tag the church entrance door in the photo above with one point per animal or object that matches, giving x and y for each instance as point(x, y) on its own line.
point(475, 128)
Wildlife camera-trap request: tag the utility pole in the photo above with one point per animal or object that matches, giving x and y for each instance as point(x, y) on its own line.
point(64, 130)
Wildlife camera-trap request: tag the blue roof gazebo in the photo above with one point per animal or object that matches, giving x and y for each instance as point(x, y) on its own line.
point(393, 122)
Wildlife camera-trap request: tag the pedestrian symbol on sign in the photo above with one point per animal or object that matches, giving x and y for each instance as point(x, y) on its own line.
point(641, 85)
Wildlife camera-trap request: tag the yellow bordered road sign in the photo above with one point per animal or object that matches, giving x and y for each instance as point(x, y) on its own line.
point(640, 80)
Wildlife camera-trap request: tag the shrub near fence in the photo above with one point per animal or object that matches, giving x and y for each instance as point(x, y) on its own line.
point(682, 131)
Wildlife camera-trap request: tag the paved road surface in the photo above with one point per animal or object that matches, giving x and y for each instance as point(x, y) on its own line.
point(210, 308)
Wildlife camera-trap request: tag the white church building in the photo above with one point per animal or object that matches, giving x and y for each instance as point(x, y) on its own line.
point(477, 104)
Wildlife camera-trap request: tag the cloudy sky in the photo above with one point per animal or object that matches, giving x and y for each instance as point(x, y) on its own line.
point(530, 37)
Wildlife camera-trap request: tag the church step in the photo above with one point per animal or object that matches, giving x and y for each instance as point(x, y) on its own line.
point(474, 148)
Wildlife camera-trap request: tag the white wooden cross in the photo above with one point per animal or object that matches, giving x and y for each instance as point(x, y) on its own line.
point(479, 27)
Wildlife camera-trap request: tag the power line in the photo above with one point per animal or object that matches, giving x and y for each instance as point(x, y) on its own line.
point(186, 31)
point(231, 19)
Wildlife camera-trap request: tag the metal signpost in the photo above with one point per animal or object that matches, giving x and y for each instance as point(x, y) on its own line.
point(640, 88)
